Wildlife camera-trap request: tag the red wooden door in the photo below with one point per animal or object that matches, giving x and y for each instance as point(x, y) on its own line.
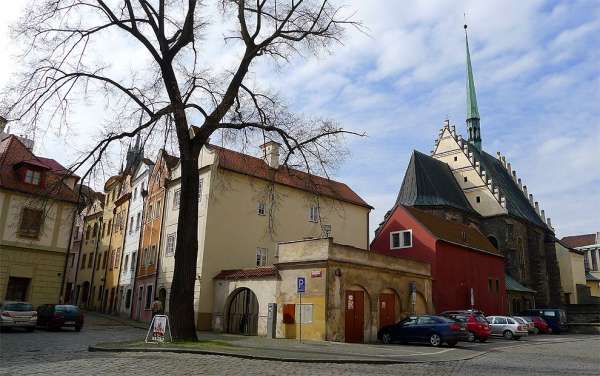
point(354, 316)
point(387, 311)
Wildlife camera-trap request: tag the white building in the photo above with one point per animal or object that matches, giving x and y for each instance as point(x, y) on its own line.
point(139, 185)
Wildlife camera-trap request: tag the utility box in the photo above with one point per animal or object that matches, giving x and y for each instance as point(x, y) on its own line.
point(272, 320)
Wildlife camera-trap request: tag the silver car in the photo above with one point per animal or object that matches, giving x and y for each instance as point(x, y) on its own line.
point(527, 321)
point(507, 327)
point(18, 315)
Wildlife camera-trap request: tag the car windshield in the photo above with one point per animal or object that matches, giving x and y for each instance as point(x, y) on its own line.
point(480, 318)
point(66, 308)
point(18, 307)
point(519, 320)
point(460, 318)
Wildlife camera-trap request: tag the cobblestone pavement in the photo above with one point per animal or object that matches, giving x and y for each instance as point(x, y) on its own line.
point(65, 353)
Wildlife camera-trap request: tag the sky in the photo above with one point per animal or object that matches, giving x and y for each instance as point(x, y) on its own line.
point(537, 76)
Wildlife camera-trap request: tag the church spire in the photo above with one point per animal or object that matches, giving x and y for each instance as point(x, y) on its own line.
point(472, 110)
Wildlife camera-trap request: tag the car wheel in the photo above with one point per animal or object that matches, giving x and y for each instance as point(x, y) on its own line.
point(507, 334)
point(471, 337)
point(435, 340)
point(482, 340)
point(78, 328)
point(386, 338)
point(451, 343)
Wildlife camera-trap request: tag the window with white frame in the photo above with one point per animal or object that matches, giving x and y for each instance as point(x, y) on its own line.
point(176, 198)
point(260, 209)
point(313, 213)
point(33, 177)
point(126, 262)
point(401, 239)
point(131, 224)
point(170, 249)
point(261, 256)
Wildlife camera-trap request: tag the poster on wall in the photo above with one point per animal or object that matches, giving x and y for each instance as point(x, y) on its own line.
point(159, 330)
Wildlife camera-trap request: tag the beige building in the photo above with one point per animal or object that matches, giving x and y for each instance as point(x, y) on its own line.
point(247, 206)
point(572, 272)
point(37, 208)
point(589, 245)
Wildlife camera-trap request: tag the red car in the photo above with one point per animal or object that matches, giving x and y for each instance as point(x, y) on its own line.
point(477, 326)
point(541, 325)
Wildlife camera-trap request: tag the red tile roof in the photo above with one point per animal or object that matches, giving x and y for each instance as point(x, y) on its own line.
point(261, 272)
point(576, 241)
point(12, 153)
point(256, 167)
point(453, 232)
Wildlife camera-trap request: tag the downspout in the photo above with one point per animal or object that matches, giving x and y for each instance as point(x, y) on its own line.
point(64, 274)
point(122, 252)
point(137, 257)
point(98, 236)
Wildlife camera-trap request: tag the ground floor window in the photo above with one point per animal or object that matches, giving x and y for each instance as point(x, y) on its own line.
point(17, 288)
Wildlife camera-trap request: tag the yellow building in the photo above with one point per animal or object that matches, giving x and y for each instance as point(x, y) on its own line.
point(589, 245)
point(248, 205)
point(572, 272)
point(37, 208)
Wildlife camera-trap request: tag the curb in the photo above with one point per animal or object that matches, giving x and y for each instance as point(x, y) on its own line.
point(276, 359)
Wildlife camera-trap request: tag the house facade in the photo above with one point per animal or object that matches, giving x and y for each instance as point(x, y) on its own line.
point(262, 203)
point(467, 270)
point(589, 246)
point(37, 209)
point(572, 273)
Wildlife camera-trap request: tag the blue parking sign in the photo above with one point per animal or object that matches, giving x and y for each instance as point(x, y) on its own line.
point(301, 284)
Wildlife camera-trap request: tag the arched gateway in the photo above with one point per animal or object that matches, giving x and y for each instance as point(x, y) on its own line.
point(242, 312)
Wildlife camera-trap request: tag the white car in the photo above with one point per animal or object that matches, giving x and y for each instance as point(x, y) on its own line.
point(18, 315)
point(507, 327)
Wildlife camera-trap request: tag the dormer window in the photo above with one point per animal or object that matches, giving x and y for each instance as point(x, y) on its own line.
point(33, 177)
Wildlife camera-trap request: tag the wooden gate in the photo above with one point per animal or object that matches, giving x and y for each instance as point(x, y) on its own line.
point(387, 311)
point(354, 316)
point(242, 315)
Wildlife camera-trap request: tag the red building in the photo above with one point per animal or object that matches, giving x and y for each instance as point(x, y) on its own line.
point(463, 261)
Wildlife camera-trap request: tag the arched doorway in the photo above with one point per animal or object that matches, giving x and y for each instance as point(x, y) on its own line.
point(388, 307)
point(357, 313)
point(242, 312)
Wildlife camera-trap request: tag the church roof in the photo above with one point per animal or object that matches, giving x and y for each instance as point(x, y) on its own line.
point(429, 182)
point(517, 204)
point(513, 285)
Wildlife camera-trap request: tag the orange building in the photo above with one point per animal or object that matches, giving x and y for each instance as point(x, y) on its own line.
point(148, 256)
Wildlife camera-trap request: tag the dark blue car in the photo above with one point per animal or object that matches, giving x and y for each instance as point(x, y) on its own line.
point(430, 329)
point(556, 318)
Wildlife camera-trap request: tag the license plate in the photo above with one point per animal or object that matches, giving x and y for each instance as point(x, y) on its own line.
point(69, 322)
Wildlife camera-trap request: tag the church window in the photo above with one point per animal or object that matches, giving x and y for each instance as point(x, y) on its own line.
point(465, 178)
point(478, 199)
point(455, 159)
point(401, 239)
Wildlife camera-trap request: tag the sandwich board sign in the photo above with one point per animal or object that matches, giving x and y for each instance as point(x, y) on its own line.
point(159, 330)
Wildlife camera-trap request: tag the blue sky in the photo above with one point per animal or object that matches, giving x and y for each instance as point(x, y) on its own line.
point(537, 74)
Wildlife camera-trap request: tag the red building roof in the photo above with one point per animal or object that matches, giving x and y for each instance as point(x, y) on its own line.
point(576, 241)
point(261, 272)
point(256, 167)
point(14, 153)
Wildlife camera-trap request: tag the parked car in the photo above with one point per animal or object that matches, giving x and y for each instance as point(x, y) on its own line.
point(507, 327)
point(527, 321)
point(430, 329)
point(56, 316)
point(17, 315)
point(541, 325)
point(556, 318)
point(477, 326)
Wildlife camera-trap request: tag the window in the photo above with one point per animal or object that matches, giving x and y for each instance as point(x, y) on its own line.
point(135, 193)
point(133, 260)
point(200, 184)
point(586, 262)
point(170, 250)
point(478, 199)
point(91, 261)
point(31, 222)
point(152, 254)
point(16, 289)
point(139, 218)
point(401, 239)
point(149, 214)
point(131, 224)
point(95, 232)
point(128, 298)
point(176, 198)
point(465, 179)
point(104, 259)
point(33, 177)
point(261, 256)
point(126, 262)
point(83, 262)
point(260, 210)
point(148, 297)
point(313, 214)
point(72, 260)
point(88, 232)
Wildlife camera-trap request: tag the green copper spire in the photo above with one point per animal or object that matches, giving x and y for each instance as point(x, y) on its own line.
point(472, 110)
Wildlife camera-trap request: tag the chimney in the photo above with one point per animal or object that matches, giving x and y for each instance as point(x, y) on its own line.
point(549, 222)
point(543, 216)
point(525, 190)
point(537, 208)
point(531, 198)
point(271, 153)
point(598, 238)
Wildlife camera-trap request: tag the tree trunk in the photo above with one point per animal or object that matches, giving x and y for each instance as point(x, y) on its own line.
point(181, 299)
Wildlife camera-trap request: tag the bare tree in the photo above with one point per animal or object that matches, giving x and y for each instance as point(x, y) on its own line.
point(60, 40)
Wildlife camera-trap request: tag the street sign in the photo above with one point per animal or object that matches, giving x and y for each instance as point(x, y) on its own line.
point(301, 284)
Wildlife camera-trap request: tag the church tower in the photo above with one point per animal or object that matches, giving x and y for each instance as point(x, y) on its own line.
point(472, 110)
